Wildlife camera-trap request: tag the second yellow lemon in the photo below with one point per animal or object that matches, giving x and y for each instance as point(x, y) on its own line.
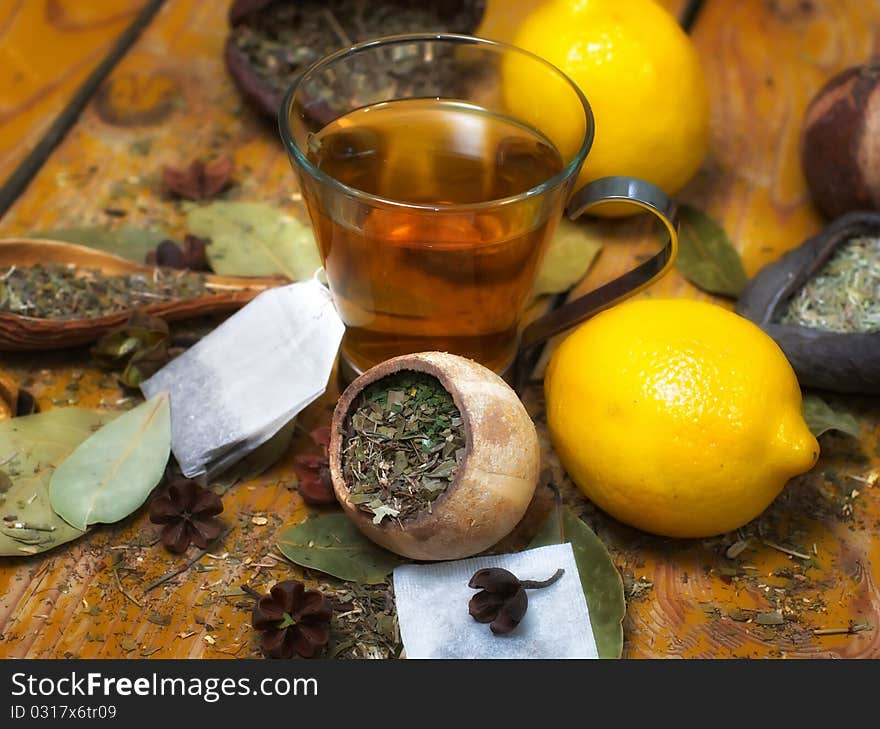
point(641, 75)
point(677, 416)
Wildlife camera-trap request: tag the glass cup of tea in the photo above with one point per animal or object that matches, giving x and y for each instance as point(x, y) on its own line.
point(435, 169)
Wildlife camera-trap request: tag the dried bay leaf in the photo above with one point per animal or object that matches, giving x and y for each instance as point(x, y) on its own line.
point(112, 473)
point(706, 257)
point(821, 418)
point(30, 448)
point(600, 580)
point(568, 257)
point(126, 241)
point(331, 543)
point(254, 239)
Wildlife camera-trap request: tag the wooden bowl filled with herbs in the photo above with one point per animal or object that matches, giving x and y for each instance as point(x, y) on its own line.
point(433, 456)
point(271, 42)
point(55, 294)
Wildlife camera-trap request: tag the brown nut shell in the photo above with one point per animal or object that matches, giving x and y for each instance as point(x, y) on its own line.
point(496, 478)
point(840, 142)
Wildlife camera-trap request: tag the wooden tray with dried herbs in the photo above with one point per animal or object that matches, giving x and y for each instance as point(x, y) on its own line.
point(271, 42)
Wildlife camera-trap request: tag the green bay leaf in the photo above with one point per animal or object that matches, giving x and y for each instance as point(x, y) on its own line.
point(568, 257)
point(254, 239)
point(331, 543)
point(126, 241)
point(112, 473)
point(821, 418)
point(31, 447)
point(600, 580)
point(706, 257)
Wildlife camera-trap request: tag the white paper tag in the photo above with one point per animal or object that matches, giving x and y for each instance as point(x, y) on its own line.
point(244, 381)
point(432, 609)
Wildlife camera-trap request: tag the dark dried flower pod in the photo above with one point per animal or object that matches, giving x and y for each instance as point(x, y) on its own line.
point(293, 620)
point(200, 180)
point(502, 601)
point(841, 362)
point(313, 471)
point(188, 513)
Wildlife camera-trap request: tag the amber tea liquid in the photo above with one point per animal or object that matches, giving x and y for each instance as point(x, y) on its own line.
point(435, 278)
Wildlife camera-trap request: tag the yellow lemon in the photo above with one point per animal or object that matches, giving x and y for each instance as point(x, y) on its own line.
point(641, 76)
point(676, 416)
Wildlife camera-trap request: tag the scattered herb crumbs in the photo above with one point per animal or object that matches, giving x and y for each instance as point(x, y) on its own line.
point(404, 441)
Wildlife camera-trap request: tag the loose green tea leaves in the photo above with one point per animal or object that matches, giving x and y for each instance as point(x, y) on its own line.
point(601, 582)
point(137, 349)
point(65, 291)
point(706, 257)
point(31, 447)
point(568, 257)
point(252, 239)
point(127, 241)
point(821, 417)
point(113, 472)
point(331, 543)
point(845, 295)
point(404, 441)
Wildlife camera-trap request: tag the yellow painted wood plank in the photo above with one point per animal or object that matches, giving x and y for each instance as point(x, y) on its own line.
point(47, 50)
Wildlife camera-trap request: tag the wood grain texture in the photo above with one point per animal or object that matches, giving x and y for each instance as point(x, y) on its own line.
point(170, 100)
point(47, 49)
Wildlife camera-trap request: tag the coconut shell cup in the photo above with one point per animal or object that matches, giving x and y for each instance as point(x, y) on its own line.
point(459, 16)
point(496, 478)
point(848, 363)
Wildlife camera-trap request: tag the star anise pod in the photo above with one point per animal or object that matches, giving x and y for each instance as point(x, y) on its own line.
point(188, 512)
point(192, 255)
point(293, 620)
point(313, 471)
point(201, 180)
point(502, 601)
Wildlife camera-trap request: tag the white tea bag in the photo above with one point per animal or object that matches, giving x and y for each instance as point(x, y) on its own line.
point(432, 609)
point(244, 381)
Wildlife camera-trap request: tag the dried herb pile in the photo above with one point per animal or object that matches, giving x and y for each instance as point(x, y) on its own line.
point(845, 295)
point(403, 443)
point(283, 38)
point(62, 291)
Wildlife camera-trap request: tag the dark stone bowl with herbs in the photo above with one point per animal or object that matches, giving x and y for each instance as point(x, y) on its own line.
point(433, 456)
point(821, 303)
point(271, 42)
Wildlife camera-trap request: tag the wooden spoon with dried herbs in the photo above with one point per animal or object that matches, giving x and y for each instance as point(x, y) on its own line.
point(55, 294)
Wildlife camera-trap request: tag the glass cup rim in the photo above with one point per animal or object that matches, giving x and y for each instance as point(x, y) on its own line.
point(296, 153)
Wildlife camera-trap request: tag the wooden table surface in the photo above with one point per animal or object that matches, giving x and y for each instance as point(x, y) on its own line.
point(169, 100)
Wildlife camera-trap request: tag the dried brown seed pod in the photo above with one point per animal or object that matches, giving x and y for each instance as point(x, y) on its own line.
point(840, 143)
point(495, 480)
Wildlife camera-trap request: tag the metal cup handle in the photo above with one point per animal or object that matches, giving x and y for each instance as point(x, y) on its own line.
point(622, 189)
